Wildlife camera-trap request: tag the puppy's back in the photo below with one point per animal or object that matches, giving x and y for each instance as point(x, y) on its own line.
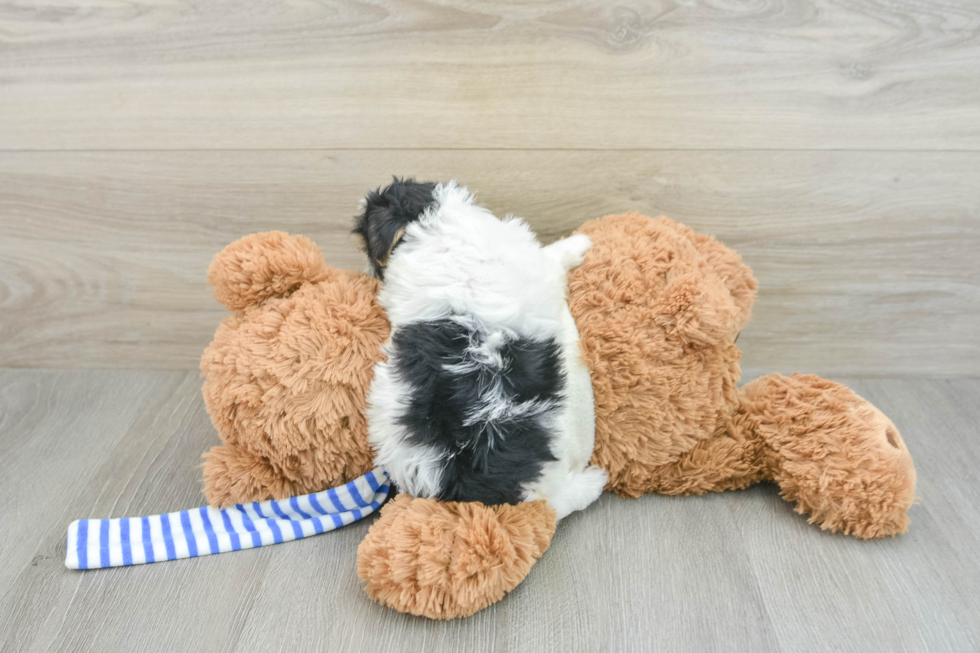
point(469, 404)
point(479, 404)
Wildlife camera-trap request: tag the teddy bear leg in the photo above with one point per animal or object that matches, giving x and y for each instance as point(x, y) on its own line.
point(233, 475)
point(443, 560)
point(833, 453)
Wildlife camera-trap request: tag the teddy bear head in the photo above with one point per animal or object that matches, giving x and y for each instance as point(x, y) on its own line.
point(287, 373)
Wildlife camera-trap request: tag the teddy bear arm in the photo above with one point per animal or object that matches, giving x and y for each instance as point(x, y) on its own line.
point(233, 475)
point(444, 560)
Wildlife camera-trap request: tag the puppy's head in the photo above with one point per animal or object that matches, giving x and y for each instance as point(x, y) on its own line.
point(387, 212)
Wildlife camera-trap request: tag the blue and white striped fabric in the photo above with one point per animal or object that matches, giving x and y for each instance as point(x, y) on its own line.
point(101, 543)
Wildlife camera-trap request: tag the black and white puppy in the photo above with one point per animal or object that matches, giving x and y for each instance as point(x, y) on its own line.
point(484, 395)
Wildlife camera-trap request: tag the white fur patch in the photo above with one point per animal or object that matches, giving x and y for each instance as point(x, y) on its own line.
point(460, 262)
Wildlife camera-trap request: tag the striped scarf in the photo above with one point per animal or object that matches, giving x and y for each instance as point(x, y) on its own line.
point(101, 543)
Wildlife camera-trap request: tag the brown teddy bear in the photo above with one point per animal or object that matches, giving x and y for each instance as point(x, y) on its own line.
point(658, 308)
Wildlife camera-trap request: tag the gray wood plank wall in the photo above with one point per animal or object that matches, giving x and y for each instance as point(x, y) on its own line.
point(835, 145)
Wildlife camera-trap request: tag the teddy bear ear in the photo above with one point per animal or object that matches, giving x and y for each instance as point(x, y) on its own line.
point(736, 275)
point(263, 265)
point(698, 309)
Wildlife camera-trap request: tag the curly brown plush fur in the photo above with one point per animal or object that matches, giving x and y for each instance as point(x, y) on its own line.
point(838, 457)
point(445, 559)
point(287, 375)
point(657, 309)
point(260, 266)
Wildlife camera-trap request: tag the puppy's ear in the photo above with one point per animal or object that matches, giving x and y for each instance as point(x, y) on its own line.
point(387, 213)
point(361, 241)
point(394, 241)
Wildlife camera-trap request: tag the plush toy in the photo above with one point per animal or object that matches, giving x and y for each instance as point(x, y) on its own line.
point(658, 308)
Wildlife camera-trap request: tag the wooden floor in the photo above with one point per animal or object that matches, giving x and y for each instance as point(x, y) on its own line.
point(735, 571)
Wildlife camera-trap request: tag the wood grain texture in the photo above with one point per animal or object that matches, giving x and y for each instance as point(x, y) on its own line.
point(800, 74)
point(867, 261)
point(734, 571)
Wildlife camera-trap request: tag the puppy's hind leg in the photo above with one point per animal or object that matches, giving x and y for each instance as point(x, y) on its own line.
point(570, 252)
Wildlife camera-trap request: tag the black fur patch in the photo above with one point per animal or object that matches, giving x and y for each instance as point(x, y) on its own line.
point(387, 212)
point(487, 461)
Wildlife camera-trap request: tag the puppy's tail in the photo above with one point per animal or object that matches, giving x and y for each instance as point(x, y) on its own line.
point(263, 265)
